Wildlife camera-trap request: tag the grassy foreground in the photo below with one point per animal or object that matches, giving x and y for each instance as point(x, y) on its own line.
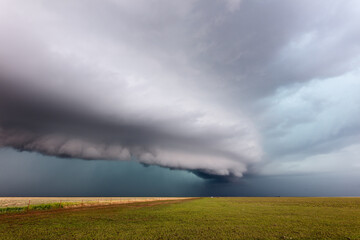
point(25, 204)
point(206, 218)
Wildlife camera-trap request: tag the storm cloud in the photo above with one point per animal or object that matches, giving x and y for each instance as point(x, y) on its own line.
point(219, 88)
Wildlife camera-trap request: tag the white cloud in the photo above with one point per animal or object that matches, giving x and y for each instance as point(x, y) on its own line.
point(188, 73)
point(115, 77)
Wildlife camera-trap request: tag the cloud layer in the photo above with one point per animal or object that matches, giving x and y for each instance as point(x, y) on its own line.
point(220, 88)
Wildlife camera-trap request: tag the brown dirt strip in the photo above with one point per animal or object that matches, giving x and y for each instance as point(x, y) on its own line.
point(25, 201)
point(84, 208)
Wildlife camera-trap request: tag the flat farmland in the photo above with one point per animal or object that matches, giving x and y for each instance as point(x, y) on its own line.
point(7, 202)
point(201, 218)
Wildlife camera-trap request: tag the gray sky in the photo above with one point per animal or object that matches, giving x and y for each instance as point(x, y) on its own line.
point(224, 92)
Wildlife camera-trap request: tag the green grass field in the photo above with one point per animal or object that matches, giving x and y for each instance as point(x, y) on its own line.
point(205, 218)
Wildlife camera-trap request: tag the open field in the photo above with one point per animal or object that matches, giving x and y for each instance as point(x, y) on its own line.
point(205, 218)
point(24, 201)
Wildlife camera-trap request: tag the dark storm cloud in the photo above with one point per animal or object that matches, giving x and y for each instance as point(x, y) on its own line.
point(32, 174)
point(212, 87)
point(32, 122)
point(26, 110)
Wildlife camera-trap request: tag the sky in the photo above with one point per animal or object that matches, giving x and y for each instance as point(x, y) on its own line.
point(179, 98)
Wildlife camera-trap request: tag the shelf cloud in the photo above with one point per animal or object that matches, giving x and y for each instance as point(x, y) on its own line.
point(218, 88)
